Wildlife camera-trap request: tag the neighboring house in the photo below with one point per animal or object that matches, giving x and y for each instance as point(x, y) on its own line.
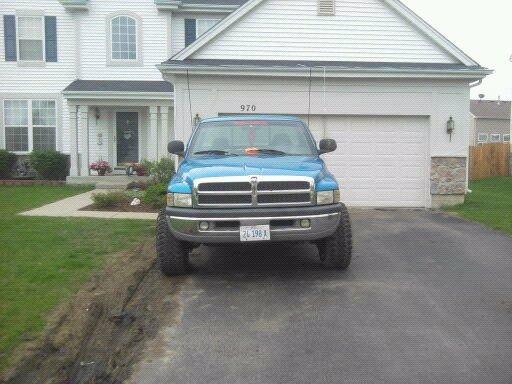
point(80, 76)
point(374, 76)
point(491, 121)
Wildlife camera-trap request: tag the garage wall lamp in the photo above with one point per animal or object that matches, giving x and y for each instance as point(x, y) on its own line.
point(450, 127)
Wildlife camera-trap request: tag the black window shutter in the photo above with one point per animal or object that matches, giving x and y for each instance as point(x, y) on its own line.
point(190, 31)
point(10, 37)
point(50, 32)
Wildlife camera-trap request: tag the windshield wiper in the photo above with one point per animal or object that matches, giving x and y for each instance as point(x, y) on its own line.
point(215, 152)
point(272, 152)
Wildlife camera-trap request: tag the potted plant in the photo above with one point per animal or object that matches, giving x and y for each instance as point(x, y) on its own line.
point(139, 169)
point(102, 167)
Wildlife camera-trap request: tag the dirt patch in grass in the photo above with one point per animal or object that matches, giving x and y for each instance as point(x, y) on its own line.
point(100, 333)
point(123, 207)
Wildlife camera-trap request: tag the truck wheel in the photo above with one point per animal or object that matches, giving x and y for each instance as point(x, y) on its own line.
point(172, 253)
point(336, 250)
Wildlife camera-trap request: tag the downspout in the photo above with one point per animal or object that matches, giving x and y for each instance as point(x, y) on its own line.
point(471, 85)
point(475, 84)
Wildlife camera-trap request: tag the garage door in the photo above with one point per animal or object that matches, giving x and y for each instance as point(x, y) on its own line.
point(380, 161)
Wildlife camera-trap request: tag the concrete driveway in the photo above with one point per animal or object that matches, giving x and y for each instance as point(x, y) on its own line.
point(428, 299)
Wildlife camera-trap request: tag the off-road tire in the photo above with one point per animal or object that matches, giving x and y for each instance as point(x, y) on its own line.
point(336, 250)
point(172, 253)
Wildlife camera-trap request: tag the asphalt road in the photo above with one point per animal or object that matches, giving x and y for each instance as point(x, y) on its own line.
point(428, 298)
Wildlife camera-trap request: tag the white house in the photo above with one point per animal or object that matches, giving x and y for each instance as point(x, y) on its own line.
point(372, 75)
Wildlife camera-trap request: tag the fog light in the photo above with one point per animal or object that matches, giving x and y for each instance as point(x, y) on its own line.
point(203, 225)
point(305, 223)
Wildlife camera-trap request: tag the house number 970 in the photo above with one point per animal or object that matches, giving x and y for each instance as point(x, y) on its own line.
point(248, 108)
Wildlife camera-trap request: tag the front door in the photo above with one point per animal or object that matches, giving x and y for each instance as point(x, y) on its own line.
point(127, 132)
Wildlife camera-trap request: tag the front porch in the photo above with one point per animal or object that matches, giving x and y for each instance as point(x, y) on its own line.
point(117, 121)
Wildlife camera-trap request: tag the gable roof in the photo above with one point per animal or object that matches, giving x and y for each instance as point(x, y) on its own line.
point(396, 5)
point(491, 109)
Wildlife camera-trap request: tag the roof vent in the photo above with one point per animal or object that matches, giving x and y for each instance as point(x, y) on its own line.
point(326, 7)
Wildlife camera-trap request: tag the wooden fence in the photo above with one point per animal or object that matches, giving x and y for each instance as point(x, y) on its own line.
point(489, 160)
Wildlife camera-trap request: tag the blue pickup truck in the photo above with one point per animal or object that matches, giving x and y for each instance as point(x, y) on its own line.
point(252, 179)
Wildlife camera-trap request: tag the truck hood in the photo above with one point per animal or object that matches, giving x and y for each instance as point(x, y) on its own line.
point(217, 166)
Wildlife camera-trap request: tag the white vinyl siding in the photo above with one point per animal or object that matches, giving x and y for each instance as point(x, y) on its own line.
point(361, 30)
point(30, 36)
point(30, 125)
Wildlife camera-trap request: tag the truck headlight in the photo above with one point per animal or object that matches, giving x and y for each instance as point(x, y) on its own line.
point(179, 200)
point(328, 197)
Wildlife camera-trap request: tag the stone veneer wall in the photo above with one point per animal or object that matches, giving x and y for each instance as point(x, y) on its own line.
point(448, 181)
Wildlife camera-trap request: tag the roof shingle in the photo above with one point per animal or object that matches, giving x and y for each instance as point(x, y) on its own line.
point(119, 86)
point(491, 109)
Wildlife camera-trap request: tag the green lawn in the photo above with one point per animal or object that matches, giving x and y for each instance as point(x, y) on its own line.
point(45, 260)
point(489, 204)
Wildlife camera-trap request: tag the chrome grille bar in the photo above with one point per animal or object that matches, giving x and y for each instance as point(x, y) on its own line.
point(264, 191)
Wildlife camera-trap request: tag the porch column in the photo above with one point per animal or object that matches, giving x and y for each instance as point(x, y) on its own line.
point(83, 121)
point(153, 134)
point(73, 136)
point(164, 130)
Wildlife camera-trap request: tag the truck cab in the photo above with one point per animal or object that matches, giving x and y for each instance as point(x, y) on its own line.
point(252, 179)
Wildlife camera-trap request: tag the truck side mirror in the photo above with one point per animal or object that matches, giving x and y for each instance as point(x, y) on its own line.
point(327, 145)
point(176, 147)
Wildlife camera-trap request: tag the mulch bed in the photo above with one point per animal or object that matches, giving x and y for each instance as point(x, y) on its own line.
point(13, 182)
point(122, 207)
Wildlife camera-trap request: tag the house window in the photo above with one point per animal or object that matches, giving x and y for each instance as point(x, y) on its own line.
point(30, 38)
point(483, 138)
point(506, 138)
point(203, 25)
point(124, 38)
point(495, 138)
point(30, 125)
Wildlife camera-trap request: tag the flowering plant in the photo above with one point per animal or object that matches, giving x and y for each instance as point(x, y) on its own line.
point(101, 167)
point(140, 169)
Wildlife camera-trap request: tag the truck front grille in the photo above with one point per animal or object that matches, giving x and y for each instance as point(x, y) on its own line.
point(261, 191)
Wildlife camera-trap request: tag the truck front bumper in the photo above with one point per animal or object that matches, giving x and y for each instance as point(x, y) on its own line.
point(224, 224)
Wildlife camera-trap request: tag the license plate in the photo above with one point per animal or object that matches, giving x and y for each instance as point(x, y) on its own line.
point(255, 233)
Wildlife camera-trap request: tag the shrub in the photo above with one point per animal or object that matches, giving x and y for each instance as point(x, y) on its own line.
point(7, 161)
point(156, 195)
point(109, 199)
point(161, 172)
point(134, 194)
point(50, 165)
point(140, 185)
point(140, 169)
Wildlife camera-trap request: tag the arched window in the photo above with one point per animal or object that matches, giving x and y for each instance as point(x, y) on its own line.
point(124, 38)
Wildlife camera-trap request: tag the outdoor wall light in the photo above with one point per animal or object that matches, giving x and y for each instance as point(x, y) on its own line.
point(450, 127)
point(97, 113)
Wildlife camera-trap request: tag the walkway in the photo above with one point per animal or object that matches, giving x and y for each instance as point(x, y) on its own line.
point(70, 207)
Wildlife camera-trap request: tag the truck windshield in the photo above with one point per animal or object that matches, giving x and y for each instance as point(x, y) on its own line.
point(241, 137)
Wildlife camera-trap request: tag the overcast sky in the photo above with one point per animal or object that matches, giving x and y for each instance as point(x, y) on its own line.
point(482, 29)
